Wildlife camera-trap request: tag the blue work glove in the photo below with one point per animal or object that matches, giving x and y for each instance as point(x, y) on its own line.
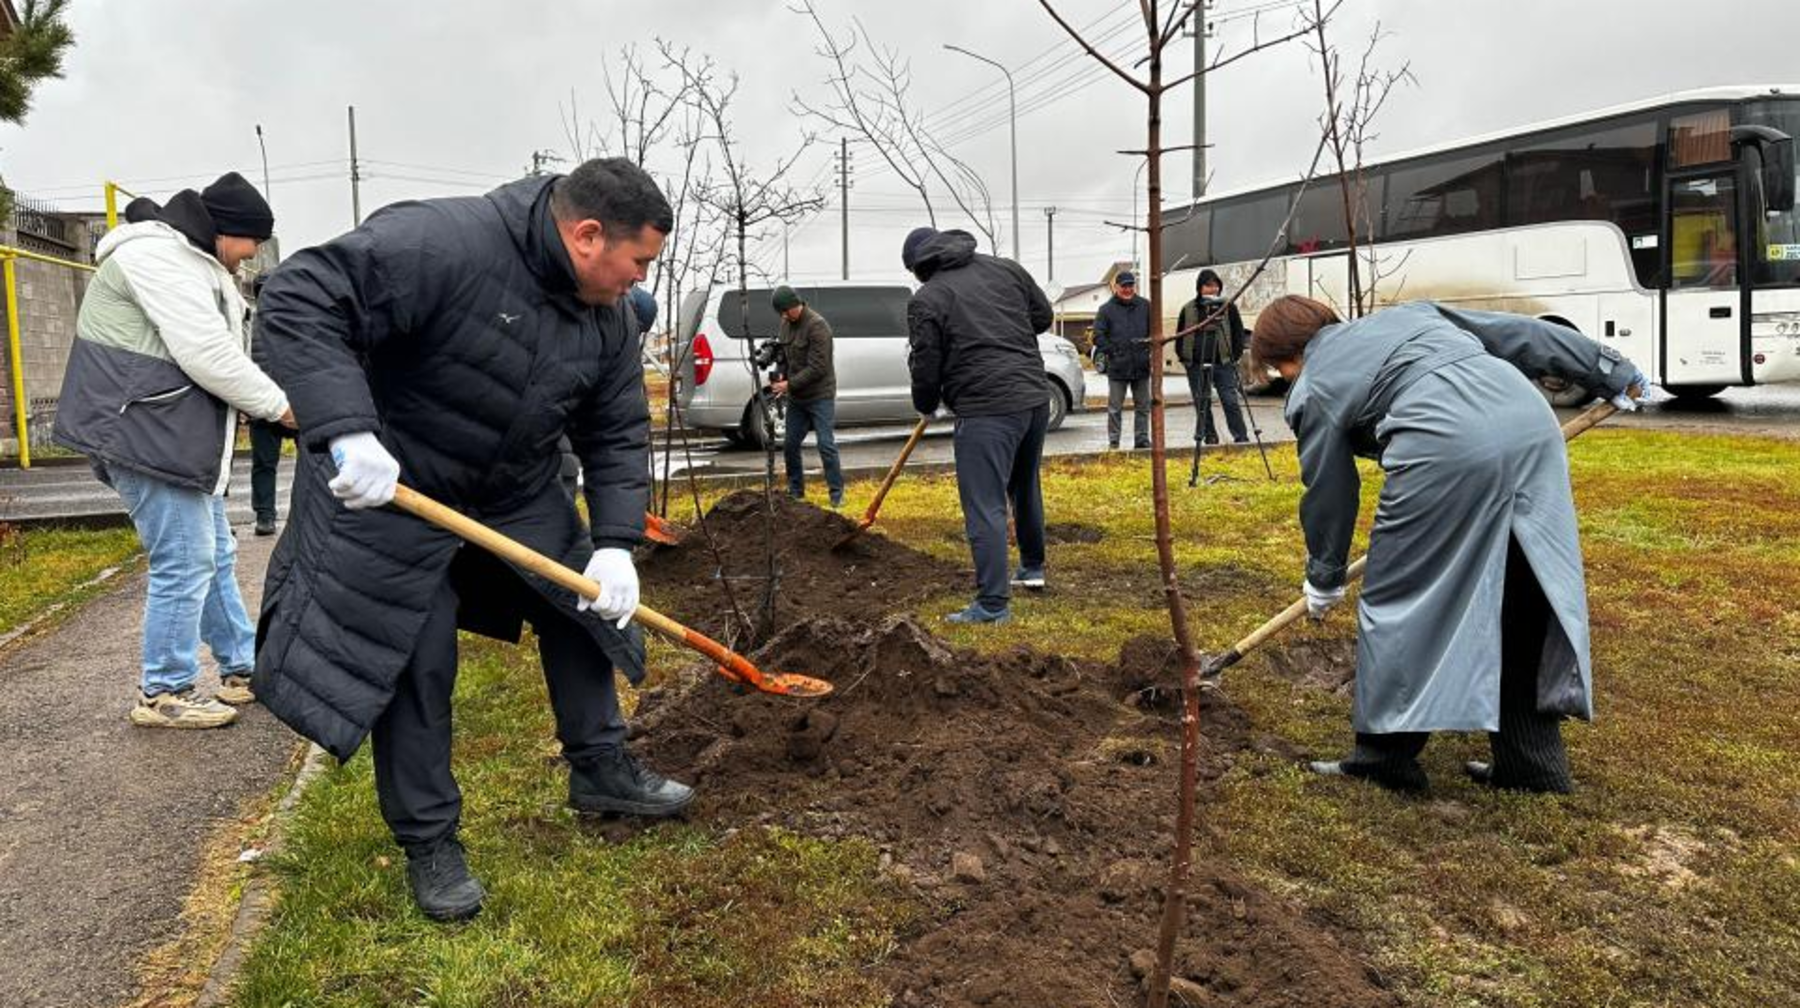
point(366, 473)
point(1626, 402)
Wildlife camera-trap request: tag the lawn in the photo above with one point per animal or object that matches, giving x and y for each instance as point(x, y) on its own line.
point(42, 567)
point(1669, 878)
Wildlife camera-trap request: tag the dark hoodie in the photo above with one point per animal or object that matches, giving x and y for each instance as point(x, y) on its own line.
point(1216, 344)
point(974, 325)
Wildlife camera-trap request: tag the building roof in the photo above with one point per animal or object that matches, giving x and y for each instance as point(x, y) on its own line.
point(9, 18)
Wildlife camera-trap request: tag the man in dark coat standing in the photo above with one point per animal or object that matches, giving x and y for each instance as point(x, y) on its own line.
point(973, 327)
point(1122, 334)
point(451, 343)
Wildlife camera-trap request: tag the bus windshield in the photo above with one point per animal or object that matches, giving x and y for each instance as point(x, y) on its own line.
point(1777, 258)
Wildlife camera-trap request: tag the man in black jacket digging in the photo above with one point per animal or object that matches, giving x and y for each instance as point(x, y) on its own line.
point(451, 343)
point(973, 328)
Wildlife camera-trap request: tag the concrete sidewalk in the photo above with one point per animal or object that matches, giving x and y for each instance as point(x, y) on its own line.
point(102, 823)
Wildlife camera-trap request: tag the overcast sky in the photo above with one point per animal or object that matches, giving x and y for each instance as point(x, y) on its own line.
point(453, 96)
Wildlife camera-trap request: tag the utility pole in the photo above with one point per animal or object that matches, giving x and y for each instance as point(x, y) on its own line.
point(540, 158)
point(1200, 30)
point(784, 253)
point(355, 175)
point(1050, 235)
point(844, 167)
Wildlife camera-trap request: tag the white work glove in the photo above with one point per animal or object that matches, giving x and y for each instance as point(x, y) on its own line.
point(1624, 402)
point(1320, 600)
point(366, 475)
point(613, 570)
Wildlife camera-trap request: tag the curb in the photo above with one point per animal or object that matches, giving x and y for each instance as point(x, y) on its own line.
point(259, 891)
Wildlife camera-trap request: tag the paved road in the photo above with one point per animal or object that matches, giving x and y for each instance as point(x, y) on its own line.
point(52, 491)
point(102, 823)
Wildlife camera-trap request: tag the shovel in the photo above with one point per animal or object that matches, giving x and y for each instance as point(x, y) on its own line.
point(1213, 666)
point(887, 484)
point(732, 665)
point(661, 531)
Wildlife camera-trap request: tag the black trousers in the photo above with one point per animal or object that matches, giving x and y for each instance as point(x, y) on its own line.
point(265, 455)
point(1528, 751)
point(997, 460)
point(411, 741)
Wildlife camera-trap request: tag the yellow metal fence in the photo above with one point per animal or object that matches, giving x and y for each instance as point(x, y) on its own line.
point(9, 256)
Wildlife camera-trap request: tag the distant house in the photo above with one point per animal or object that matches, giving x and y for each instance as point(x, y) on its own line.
point(1076, 308)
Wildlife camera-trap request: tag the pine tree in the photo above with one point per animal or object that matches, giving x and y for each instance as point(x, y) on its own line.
point(31, 54)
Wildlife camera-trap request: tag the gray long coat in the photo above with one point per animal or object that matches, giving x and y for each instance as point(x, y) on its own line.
point(1473, 457)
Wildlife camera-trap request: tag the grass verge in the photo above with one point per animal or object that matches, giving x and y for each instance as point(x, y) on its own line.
point(42, 567)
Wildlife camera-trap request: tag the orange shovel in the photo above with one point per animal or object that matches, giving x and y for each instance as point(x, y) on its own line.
point(887, 484)
point(732, 665)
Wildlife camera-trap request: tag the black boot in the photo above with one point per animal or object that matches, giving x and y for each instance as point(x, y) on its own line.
point(614, 782)
point(441, 883)
point(1389, 761)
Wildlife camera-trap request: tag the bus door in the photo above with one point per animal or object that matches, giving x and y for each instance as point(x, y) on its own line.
point(1703, 328)
point(1324, 278)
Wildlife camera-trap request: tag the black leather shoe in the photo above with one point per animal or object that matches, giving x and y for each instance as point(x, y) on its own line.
point(265, 526)
point(441, 883)
point(615, 783)
point(1406, 778)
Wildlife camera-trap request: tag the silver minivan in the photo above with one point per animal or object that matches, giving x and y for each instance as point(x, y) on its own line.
point(716, 381)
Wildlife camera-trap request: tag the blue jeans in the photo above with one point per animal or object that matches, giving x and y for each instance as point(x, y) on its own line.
point(193, 582)
point(818, 415)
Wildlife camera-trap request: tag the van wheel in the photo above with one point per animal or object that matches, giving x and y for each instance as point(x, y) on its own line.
point(1564, 393)
point(1059, 405)
point(756, 432)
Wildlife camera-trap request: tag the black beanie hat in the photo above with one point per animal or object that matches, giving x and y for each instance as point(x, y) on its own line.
point(237, 209)
point(909, 250)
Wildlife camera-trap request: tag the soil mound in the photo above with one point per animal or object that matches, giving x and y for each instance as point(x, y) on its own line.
point(872, 575)
point(1022, 794)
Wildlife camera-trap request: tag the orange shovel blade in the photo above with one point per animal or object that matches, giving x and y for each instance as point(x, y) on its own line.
point(659, 530)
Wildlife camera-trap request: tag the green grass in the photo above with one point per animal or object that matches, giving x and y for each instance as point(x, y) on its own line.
point(43, 566)
point(1670, 878)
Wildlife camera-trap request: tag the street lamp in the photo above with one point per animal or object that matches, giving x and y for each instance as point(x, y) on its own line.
point(265, 159)
point(1013, 115)
point(1135, 226)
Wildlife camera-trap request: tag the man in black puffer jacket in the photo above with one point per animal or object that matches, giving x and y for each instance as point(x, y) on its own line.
point(974, 327)
point(1122, 333)
point(451, 343)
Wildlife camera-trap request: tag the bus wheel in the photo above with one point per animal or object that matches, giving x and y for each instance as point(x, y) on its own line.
point(1564, 393)
point(1693, 393)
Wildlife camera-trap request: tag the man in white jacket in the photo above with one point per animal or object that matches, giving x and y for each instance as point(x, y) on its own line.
point(158, 373)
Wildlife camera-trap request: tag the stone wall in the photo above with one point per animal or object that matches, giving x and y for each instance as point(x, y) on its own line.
point(49, 299)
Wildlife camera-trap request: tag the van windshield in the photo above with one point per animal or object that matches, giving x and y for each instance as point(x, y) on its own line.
point(853, 312)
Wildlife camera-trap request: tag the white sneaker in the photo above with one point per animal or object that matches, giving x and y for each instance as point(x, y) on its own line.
point(235, 690)
point(186, 709)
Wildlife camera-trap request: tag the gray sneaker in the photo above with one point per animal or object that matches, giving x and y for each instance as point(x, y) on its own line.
point(184, 709)
point(235, 690)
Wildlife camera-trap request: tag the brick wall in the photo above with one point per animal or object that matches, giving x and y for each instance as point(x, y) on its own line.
point(49, 299)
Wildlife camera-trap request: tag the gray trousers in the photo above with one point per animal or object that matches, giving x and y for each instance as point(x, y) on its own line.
point(1140, 408)
point(997, 461)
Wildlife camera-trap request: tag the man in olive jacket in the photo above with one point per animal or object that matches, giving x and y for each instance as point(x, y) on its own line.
point(811, 389)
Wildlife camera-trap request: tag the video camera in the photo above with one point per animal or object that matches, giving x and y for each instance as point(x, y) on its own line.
point(770, 356)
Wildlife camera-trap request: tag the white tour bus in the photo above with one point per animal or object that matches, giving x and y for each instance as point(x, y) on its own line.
point(1664, 228)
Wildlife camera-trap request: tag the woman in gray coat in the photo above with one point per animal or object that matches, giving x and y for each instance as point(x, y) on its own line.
point(1473, 615)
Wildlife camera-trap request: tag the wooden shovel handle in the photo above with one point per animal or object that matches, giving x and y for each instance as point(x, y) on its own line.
point(887, 482)
point(1576, 426)
point(410, 500)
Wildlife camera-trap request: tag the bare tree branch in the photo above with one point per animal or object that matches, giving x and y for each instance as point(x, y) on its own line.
point(1095, 53)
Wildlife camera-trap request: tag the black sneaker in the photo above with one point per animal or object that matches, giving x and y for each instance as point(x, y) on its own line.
point(615, 783)
point(1403, 776)
point(265, 525)
point(441, 883)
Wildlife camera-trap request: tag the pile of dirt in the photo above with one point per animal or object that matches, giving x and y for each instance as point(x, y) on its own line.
point(871, 575)
point(1327, 664)
point(1025, 796)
